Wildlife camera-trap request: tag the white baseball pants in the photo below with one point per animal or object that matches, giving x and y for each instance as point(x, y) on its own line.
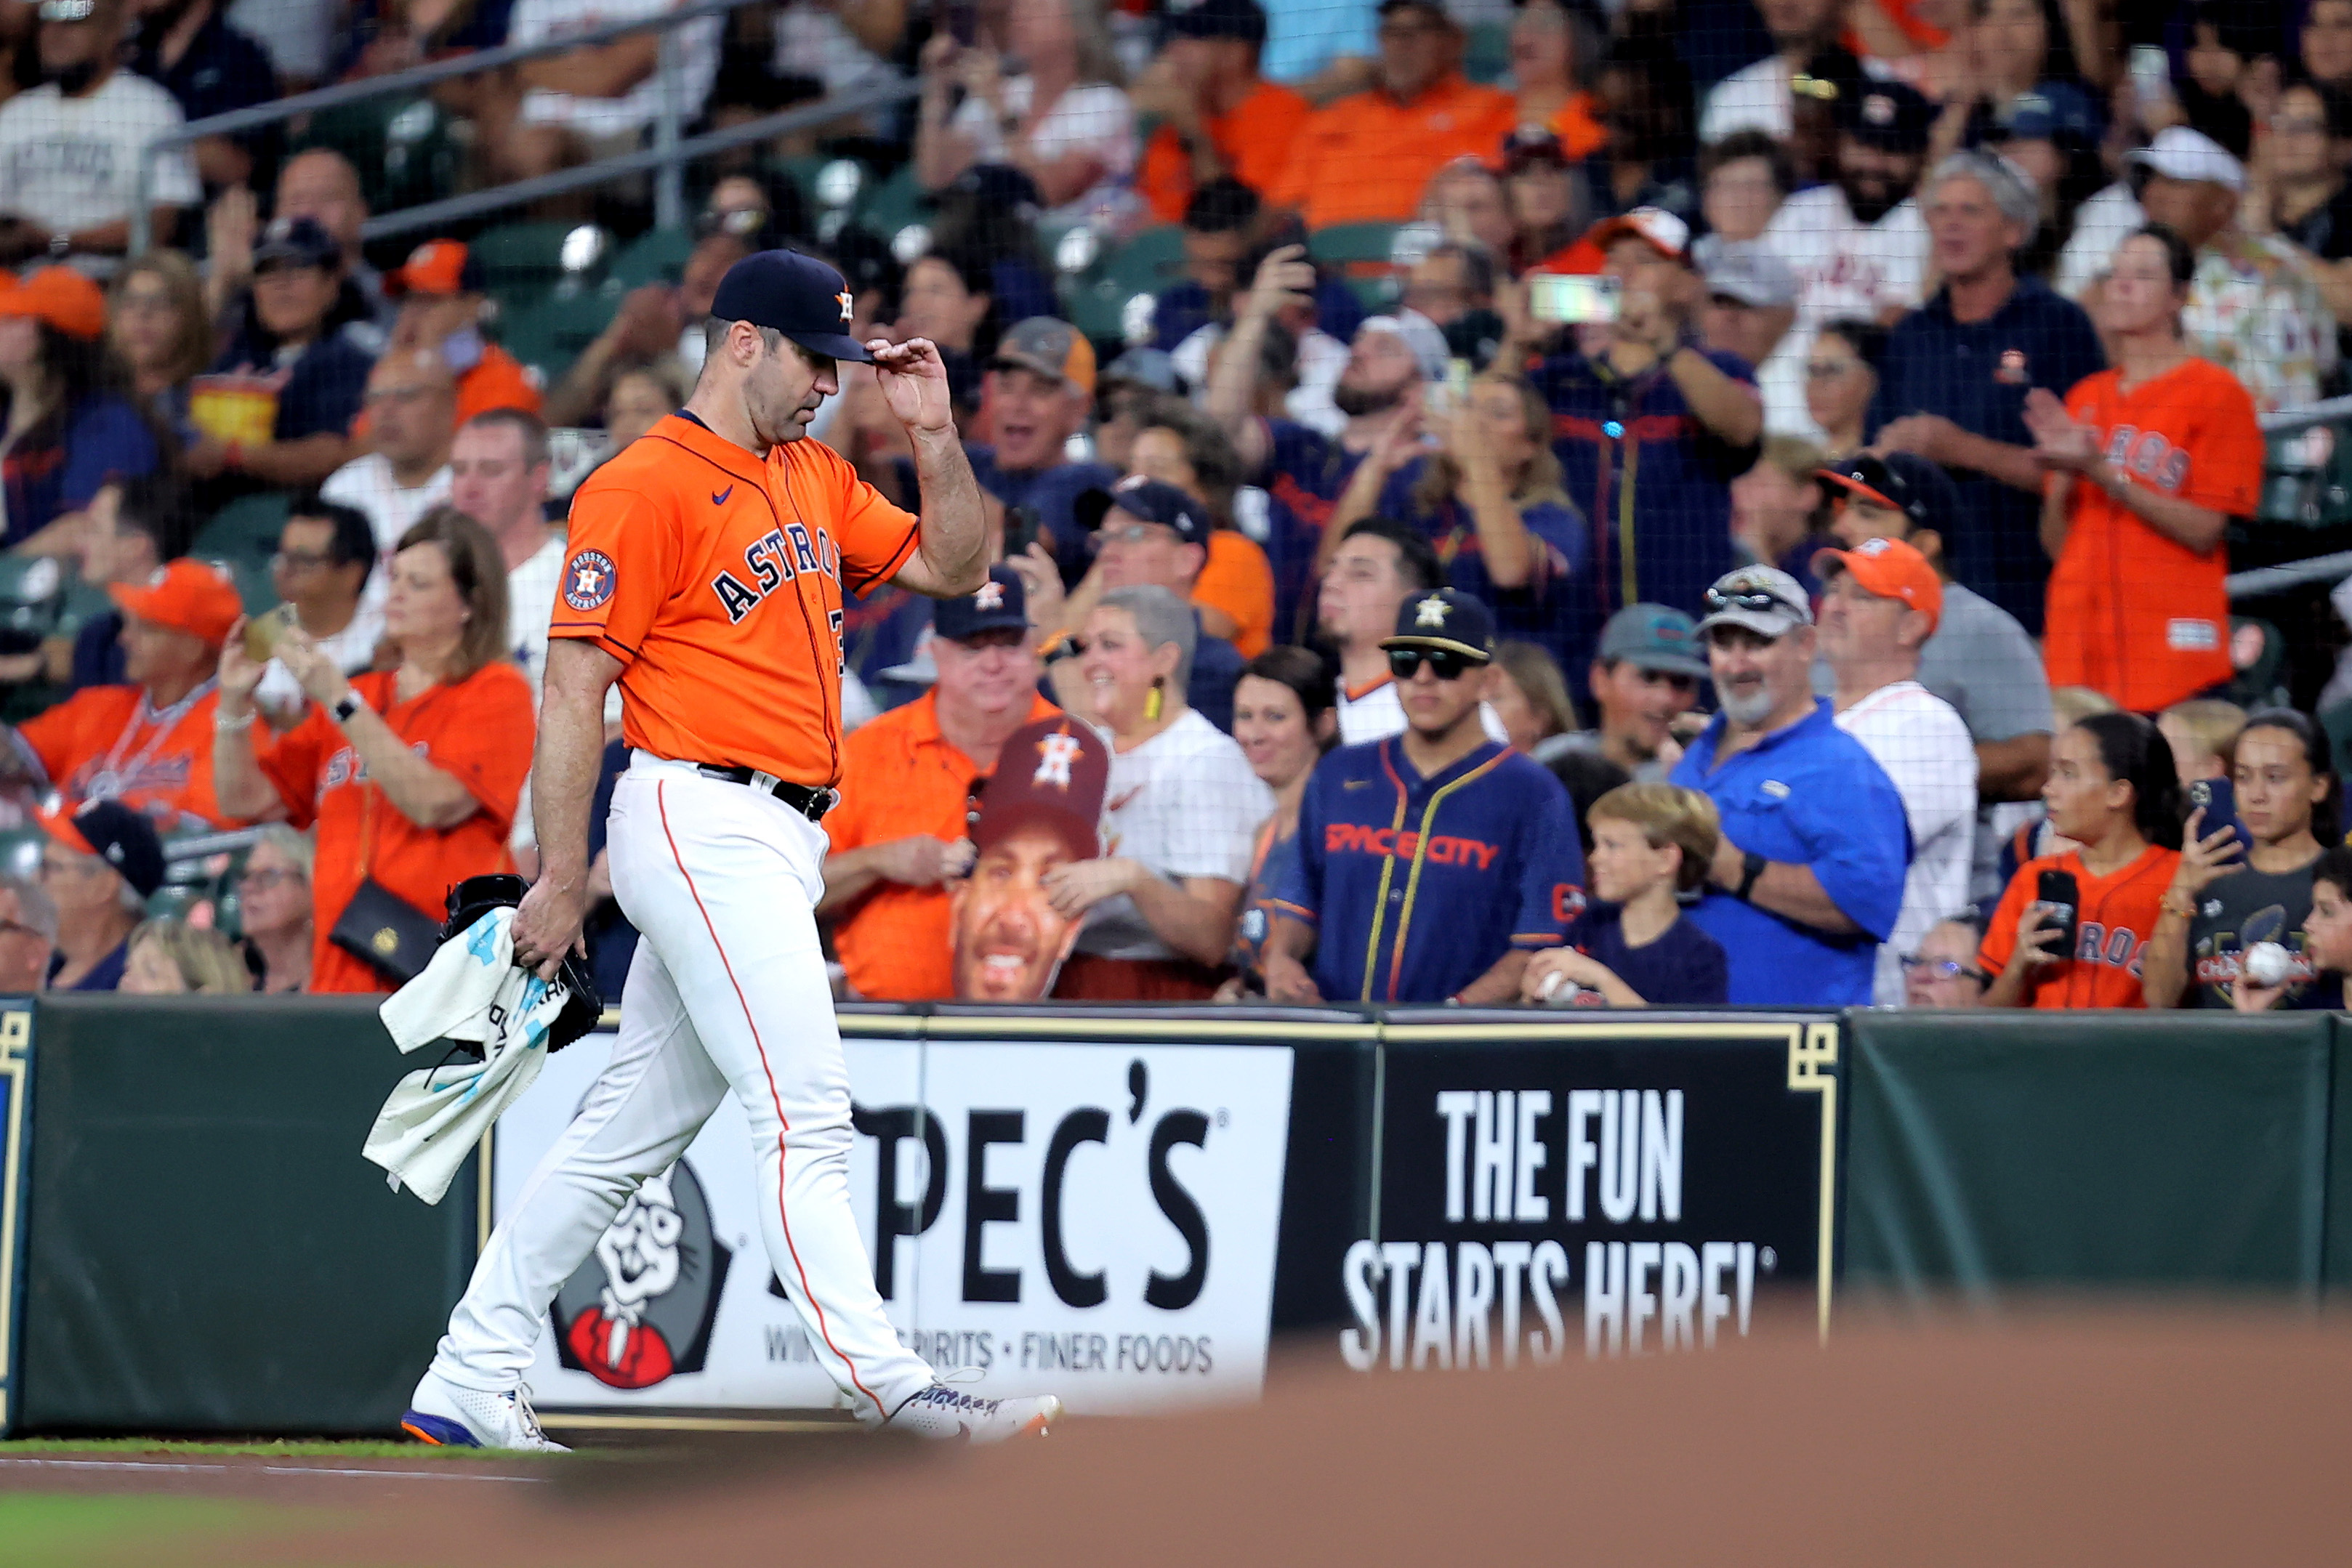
point(728, 993)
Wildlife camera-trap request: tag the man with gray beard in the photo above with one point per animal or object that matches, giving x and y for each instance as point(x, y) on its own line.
point(1808, 879)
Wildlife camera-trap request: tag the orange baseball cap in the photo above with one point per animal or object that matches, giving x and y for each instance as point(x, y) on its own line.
point(436, 267)
point(61, 297)
point(1665, 233)
point(1891, 570)
point(193, 596)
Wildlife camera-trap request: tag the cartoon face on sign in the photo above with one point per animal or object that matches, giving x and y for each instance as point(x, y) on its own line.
point(639, 1311)
point(1040, 810)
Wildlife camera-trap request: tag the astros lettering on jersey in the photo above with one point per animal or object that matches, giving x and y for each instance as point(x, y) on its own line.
point(716, 581)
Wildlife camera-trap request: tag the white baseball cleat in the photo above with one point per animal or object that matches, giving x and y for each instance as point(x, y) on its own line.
point(944, 1415)
point(449, 1415)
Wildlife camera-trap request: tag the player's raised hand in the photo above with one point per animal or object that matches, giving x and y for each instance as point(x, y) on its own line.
point(914, 382)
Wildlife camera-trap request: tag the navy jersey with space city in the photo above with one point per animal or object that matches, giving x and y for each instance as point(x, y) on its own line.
point(1417, 886)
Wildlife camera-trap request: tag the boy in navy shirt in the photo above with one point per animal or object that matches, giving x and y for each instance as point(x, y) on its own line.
point(1430, 863)
point(1632, 948)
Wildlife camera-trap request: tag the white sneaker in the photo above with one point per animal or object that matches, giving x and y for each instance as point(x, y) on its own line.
point(449, 1415)
point(941, 1414)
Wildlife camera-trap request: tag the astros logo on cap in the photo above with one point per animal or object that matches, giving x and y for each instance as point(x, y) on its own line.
point(1055, 752)
point(588, 581)
point(988, 596)
point(1432, 611)
point(844, 304)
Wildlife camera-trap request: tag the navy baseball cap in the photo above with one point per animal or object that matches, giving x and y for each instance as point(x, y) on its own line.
point(122, 838)
point(1903, 481)
point(1653, 637)
point(1448, 619)
point(1150, 499)
point(1243, 19)
point(299, 240)
point(997, 604)
point(796, 295)
point(1892, 115)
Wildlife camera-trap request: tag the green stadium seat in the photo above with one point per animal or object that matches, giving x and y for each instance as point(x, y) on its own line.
point(20, 849)
point(83, 603)
point(1362, 252)
point(1097, 299)
point(1487, 58)
point(658, 256)
point(401, 147)
point(246, 529)
point(520, 256)
point(886, 206)
point(32, 588)
point(2308, 476)
point(549, 334)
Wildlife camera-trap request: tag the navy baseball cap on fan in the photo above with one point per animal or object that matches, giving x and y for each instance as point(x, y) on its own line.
point(1243, 19)
point(1001, 603)
point(122, 838)
point(1892, 115)
point(1446, 619)
point(1903, 482)
point(299, 240)
point(796, 295)
point(1148, 500)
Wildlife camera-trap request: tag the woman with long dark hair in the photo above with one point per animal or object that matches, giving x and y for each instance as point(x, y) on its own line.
point(1285, 720)
point(67, 421)
point(2113, 791)
point(2228, 895)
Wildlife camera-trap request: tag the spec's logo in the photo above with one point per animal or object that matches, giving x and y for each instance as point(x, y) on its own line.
point(588, 580)
point(640, 1308)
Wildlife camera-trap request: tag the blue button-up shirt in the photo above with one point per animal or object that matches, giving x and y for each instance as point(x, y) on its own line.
point(1808, 795)
point(1976, 374)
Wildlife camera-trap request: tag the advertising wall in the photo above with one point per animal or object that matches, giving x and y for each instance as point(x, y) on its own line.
point(1093, 1218)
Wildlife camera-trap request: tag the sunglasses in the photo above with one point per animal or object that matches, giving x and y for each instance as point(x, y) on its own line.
point(1755, 599)
point(1942, 968)
point(1444, 663)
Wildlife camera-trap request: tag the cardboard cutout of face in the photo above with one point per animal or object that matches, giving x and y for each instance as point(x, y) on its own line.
point(1041, 809)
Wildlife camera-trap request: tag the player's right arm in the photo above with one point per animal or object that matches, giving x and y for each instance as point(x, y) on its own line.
point(562, 782)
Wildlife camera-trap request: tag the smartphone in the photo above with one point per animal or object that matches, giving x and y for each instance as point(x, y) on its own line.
point(1020, 530)
point(2218, 799)
point(1577, 298)
point(2057, 891)
point(262, 633)
point(2151, 74)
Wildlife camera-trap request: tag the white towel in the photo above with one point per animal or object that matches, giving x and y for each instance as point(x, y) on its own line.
point(471, 990)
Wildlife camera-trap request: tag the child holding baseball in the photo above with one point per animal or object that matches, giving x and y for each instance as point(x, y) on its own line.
point(2326, 935)
point(1631, 947)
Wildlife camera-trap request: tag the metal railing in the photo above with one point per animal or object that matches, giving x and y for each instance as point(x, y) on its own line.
point(666, 158)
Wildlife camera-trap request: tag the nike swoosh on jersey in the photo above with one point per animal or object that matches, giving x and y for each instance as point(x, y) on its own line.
point(718, 497)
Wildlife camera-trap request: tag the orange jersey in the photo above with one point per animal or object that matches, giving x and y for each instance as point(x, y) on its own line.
point(900, 776)
point(2116, 914)
point(1237, 581)
point(106, 741)
point(1253, 143)
point(717, 581)
point(2131, 613)
point(1580, 133)
point(476, 730)
point(1367, 157)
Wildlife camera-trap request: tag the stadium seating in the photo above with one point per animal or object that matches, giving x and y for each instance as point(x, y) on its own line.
point(243, 536)
point(1365, 252)
point(658, 256)
point(1095, 298)
point(401, 147)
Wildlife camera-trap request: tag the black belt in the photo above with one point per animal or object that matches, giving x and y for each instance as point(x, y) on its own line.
point(810, 803)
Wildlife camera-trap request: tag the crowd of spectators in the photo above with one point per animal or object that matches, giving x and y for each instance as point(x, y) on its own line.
point(1770, 548)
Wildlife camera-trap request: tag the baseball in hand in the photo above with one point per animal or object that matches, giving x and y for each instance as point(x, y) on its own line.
point(2267, 963)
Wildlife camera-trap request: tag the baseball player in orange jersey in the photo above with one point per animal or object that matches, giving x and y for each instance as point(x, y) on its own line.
point(707, 568)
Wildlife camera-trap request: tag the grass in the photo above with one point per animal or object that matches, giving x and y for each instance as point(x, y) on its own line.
point(71, 1531)
point(216, 1448)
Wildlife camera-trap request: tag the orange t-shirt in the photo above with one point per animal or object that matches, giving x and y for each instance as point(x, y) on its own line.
point(2116, 915)
point(1580, 133)
point(717, 581)
point(900, 776)
point(1367, 157)
point(478, 730)
point(1252, 142)
point(1238, 579)
point(106, 741)
point(2131, 613)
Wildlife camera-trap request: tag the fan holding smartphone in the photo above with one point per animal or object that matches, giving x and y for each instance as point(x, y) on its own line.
point(2071, 930)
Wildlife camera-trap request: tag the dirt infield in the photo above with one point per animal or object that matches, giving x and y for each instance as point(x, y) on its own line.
point(2140, 1438)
